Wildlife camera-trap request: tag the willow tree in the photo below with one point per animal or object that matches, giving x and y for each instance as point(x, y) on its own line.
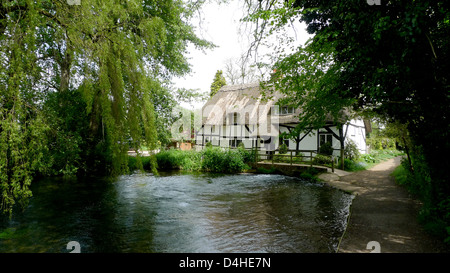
point(112, 54)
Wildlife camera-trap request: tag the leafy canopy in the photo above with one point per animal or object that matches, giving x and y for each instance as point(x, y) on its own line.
point(391, 60)
point(78, 83)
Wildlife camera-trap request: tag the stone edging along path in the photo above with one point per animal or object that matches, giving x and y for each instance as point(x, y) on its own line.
point(382, 213)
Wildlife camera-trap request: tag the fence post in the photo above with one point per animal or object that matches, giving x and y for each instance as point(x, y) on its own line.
point(311, 158)
point(332, 164)
point(291, 157)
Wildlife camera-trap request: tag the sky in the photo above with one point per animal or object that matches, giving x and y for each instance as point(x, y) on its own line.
point(220, 24)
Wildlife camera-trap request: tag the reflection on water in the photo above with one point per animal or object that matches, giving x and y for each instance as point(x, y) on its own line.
point(179, 213)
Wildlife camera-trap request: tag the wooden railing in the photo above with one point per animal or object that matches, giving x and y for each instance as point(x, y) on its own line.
point(306, 157)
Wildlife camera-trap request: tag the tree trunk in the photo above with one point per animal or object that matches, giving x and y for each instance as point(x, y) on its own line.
point(65, 64)
point(342, 140)
point(297, 146)
point(407, 154)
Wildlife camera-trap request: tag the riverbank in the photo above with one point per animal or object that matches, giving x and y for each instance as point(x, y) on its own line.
point(381, 211)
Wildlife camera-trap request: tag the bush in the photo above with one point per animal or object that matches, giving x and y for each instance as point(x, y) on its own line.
point(326, 149)
point(368, 158)
point(283, 148)
point(351, 151)
point(234, 162)
point(213, 159)
point(435, 211)
point(228, 161)
point(349, 164)
point(247, 155)
point(322, 159)
point(170, 159)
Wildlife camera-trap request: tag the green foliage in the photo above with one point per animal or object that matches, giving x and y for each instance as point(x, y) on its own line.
point(147, 163)
point(386, 138)
point(283, 148)
point(226, 161)
point(390, 60)
point(174, 159)
point(351, 151)
point(435, 216)
point(310, 174)
point(66, 116)
point(369, 158)
point(271, 170)
point(170, 159)
point(213, 159)
point(401, 174)
point(247, 155)
point(79, 84)
point(321, 159)
point(366, 161)
point(218, 82)
point(326, 149)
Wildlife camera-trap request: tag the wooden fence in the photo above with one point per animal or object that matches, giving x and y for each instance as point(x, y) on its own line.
point(306, 157)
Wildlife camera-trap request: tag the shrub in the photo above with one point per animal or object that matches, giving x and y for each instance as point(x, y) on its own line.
point(226, 161)
point(368, 158)
point(322, 159)
point(169, 159)
point(349, 165)
point(213, 159)
point(233, 162)
point(247, 155)
point(326, 148)
point(283, 148)
point(351, 151)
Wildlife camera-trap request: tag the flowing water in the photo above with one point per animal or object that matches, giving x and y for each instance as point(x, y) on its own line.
point(179, 213)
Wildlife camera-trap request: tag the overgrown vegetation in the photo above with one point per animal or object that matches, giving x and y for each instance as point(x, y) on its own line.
point(367, 161)
point(211, 159)
point(79, 85)
point(434, 217)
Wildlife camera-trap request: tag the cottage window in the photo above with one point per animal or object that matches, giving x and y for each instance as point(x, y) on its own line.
point(284, 110)
point(326, 138)
point(235, 142)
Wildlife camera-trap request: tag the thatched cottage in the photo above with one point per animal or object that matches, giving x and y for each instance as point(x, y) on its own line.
point(241, 114)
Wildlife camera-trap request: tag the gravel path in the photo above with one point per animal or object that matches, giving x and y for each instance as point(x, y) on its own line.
point(382, 212)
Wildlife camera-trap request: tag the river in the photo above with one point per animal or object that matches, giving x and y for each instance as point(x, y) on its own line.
point(178, 212)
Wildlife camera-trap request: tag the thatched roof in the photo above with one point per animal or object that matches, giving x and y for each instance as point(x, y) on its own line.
point(250, 104)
